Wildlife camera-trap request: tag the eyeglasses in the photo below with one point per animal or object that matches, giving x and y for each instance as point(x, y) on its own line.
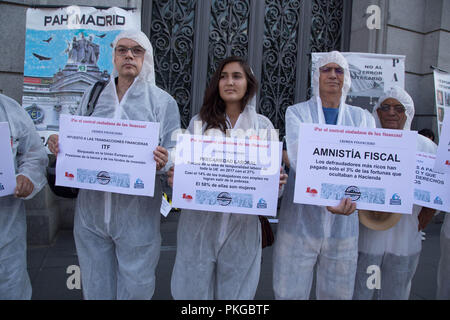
point(337, 70)
point(136, 51)
point(397, 108)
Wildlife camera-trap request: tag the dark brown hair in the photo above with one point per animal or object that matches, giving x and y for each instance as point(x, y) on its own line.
point(213, 109)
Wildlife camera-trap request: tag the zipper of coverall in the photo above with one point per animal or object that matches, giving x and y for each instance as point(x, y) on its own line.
point(225, 216)
point(117, 114)
point(328, 215)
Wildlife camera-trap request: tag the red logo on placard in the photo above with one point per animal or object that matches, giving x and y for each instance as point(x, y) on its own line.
point(187, 197)
point(447, 162)
point(312, 192)
point(69, 175)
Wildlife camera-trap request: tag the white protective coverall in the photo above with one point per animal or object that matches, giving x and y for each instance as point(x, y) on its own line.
point(219, 254)
point(30, 160)
point(117, 236)
point(309, 234)
point(395, 251)
point(443, 274)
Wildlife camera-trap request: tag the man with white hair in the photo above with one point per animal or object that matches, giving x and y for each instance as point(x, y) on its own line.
point(117, 236)
point(309, 234)
point(396, 250)
point(30, 161)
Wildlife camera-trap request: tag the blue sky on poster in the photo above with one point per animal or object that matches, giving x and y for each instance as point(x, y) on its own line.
point(56, 49)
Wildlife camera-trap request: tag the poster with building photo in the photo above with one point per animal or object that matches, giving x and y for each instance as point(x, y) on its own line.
point(442, 93)
point(66, 51)
point(371, 74)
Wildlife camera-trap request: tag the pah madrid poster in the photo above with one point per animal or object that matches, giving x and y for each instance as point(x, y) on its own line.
point(66, 51)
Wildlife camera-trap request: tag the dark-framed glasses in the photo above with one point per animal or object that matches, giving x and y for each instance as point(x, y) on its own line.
point(397, 108)
point(337, 70)
point(137, 51)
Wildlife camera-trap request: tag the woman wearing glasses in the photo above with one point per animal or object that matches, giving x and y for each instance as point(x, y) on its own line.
point(396, 250)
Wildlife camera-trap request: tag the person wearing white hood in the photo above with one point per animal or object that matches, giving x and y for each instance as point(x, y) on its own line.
point(30, 161)
point(307, 234)
point(219, 254)
point(118, 236)
point(396, 250)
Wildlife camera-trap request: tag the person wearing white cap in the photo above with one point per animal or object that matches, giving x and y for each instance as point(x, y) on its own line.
point(219, 254)
point(30, 161)
point(118, 236)
point(307, 234)
point(395, 250)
